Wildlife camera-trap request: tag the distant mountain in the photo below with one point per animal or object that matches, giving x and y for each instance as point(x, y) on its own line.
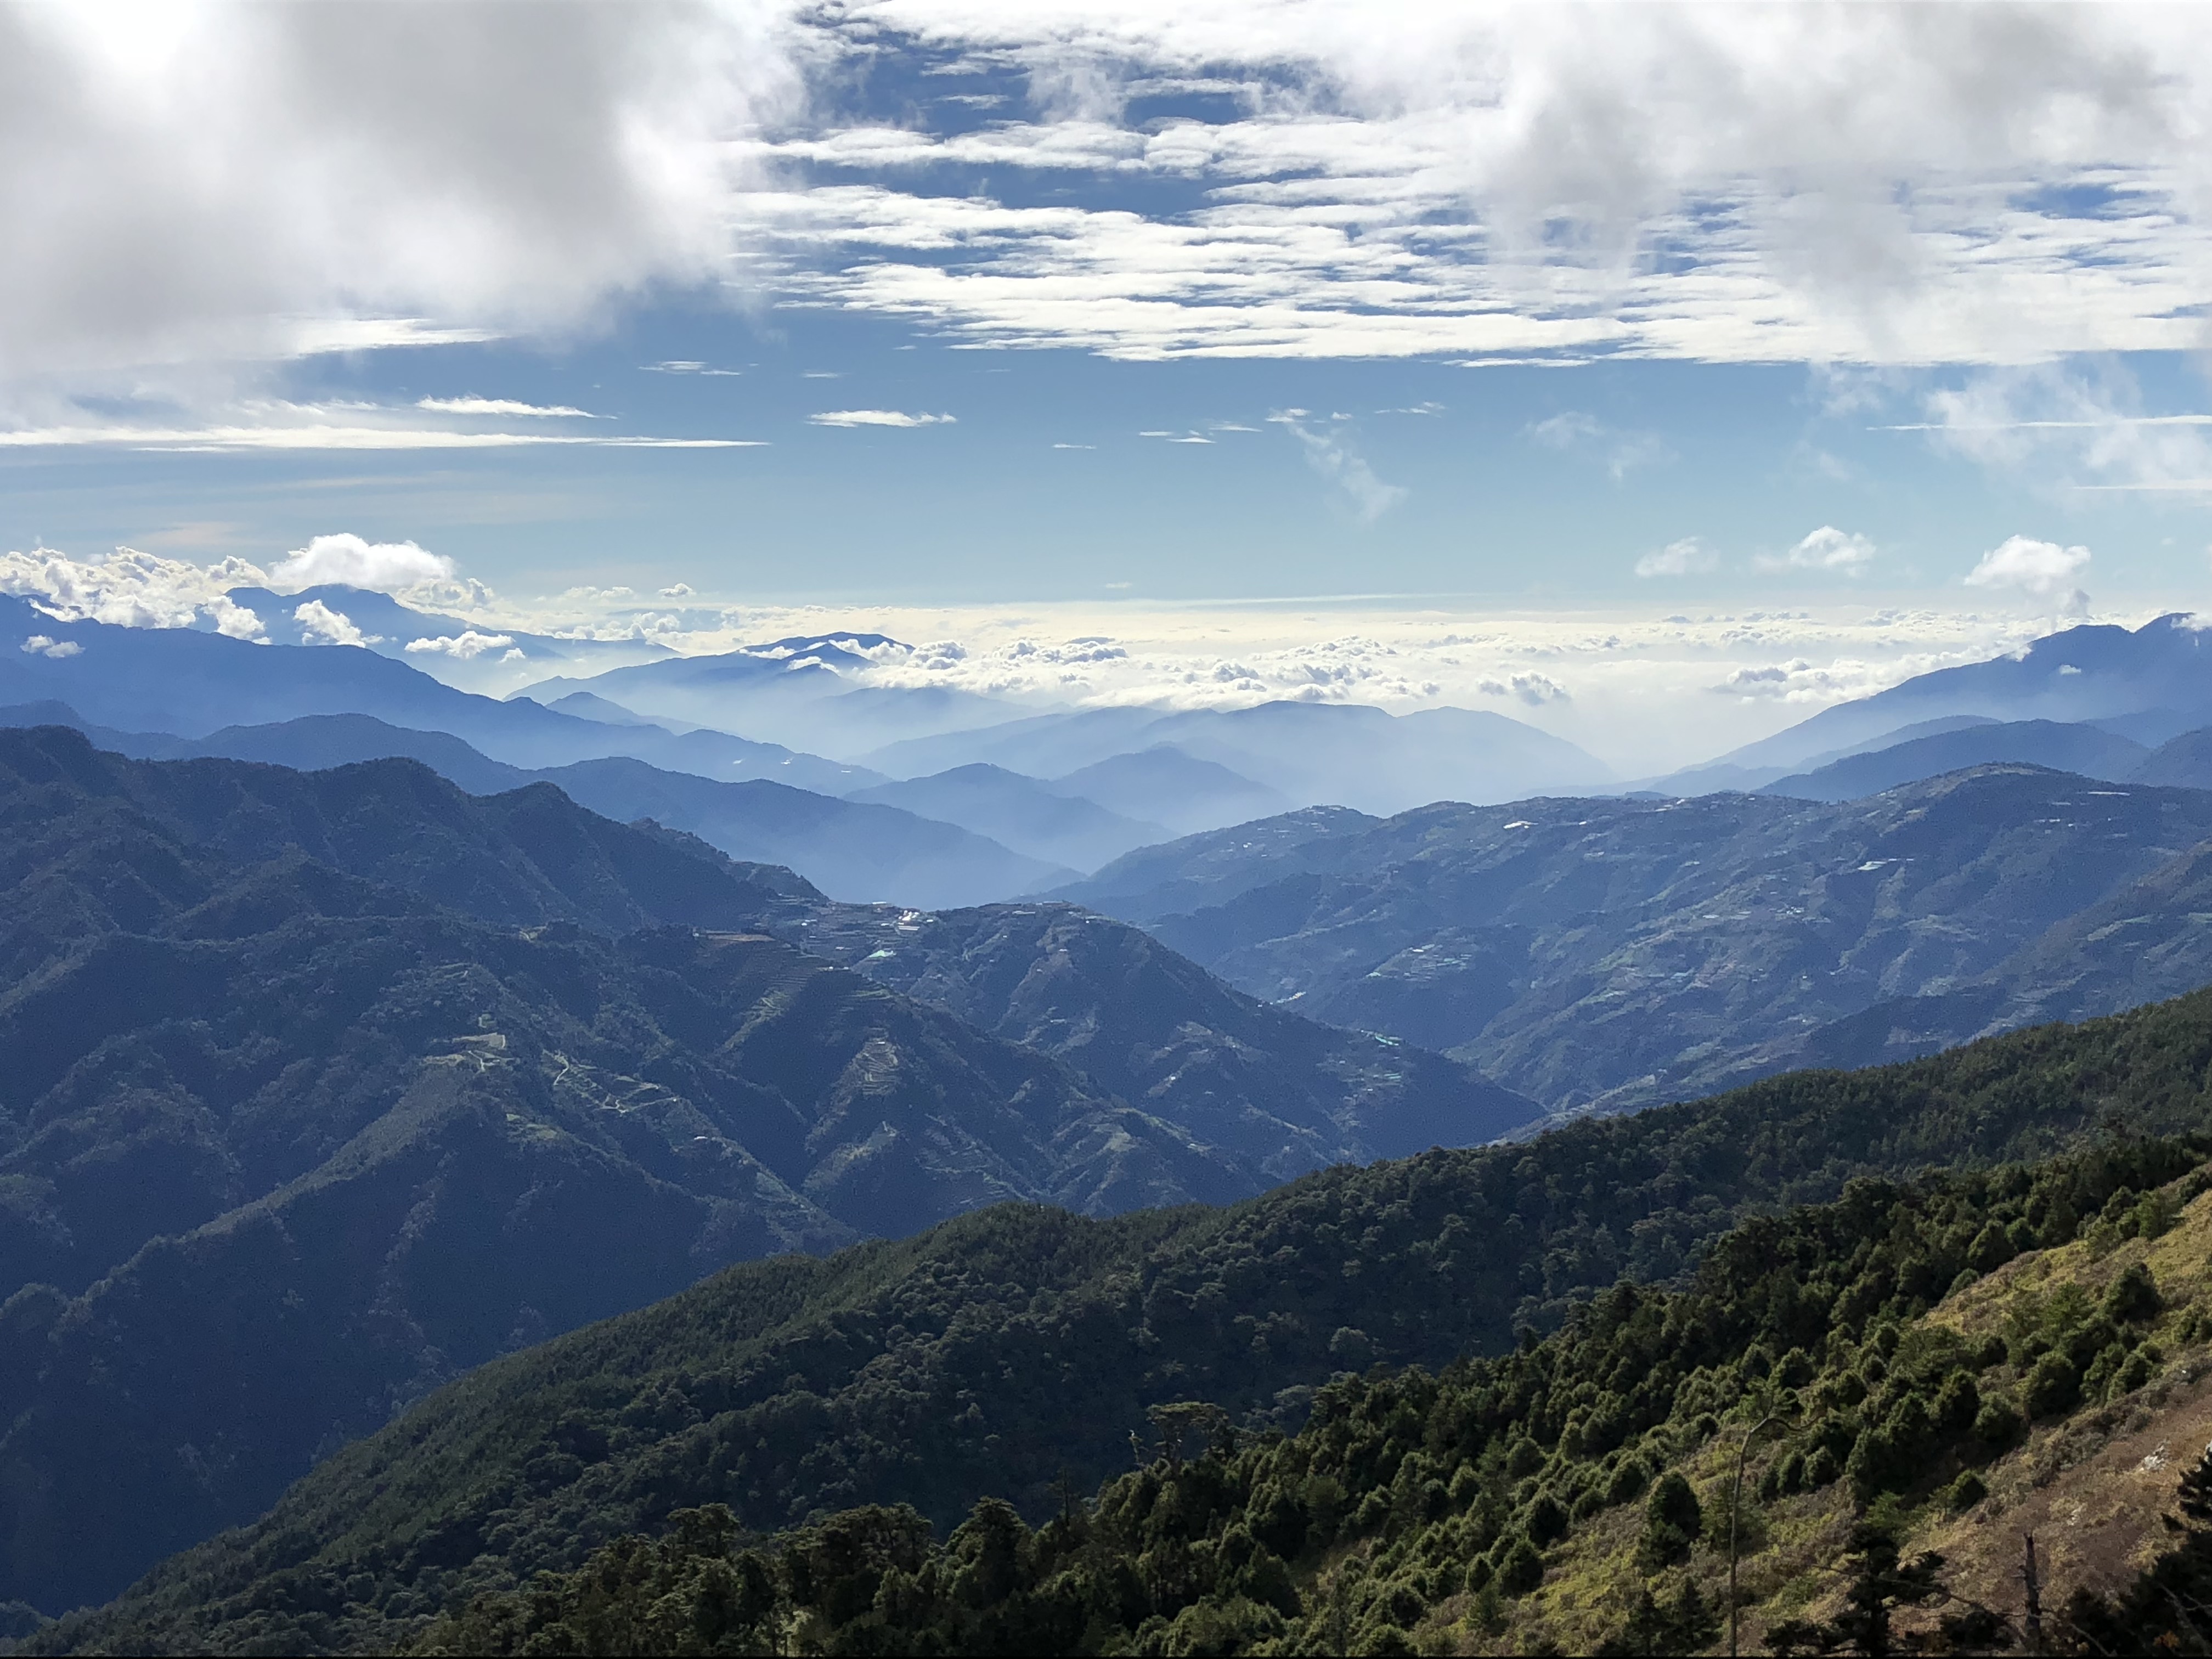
point(475, 656)
point(191, 684)
point(1061, 826)
point(2149, 684)
point(856, 852)
point(325, 1085)
point(1339, 754)
point(586, 707)
point(1607, 953)
point(2084, 749)
point(1165, 785)
point(2184, 761)
point(1720, 775)
point(799, 690)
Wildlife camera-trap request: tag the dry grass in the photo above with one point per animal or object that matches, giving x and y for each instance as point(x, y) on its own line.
point(2090, 1486)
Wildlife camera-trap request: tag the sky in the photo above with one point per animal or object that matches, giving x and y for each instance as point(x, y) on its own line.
point(1657, 375)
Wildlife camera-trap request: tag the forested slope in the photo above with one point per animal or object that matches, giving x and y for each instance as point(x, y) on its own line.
point(998, 1354)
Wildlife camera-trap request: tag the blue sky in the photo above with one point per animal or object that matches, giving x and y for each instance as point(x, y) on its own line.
point(1013, 320)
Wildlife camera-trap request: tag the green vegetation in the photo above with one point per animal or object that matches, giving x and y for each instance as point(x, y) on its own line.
point(1011, 1354)
point(1411, 1507)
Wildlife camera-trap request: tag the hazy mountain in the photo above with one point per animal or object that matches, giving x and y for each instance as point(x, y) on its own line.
point(2185, 761)
point(1610, 953)
point(586, 707)
point(855, 850)
point(473, 655)
point(857, 853)
point(1719, 775)
point(1043, 822)
point(2149, 684)
point(190, 683)
point(1339, 754)
point(1163, 785)
point(799, 690)
point(2084, 749)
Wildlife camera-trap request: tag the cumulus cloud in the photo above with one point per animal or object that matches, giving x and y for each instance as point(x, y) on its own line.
point(1840, 552)
point(324, 626)
point(45, 644)
point(225, 182)
point(464, 647)
point(132, 589)
point(1535, 689)
point(1686, 557)
point(352, 561)
point(877, 417)
point(2043, 570)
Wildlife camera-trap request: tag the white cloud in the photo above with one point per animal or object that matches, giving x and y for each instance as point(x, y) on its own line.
point(132, 589)
point(323, 625)
point(1535, 689)
point(679, 591)
point(1328, 452)
point(233, 620)
point(502, 406)
point(349, 560)
point(2043, 570)
point(466, 646)
point(1566, 429)
point(327, 435)
point(1828, 549)
point(851, 418)
point(1857, 185)
point(212, 183)
point(1686, 557)
point(45, 644)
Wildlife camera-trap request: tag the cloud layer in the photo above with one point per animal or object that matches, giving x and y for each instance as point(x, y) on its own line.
point(1870, 183)
point(195, 183)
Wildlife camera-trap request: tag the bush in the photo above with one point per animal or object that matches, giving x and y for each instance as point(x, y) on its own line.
point(2053, 1387)
point(2134, 1298)
point(1998, 1425)
point(1519, 1568)
point(1962, 1494)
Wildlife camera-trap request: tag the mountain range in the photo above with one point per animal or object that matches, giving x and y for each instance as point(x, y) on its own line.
point(1014, 1356)
point(325, 1086)
point(1605, 954)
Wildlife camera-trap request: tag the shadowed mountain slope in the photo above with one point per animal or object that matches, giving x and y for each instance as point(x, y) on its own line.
point(2082, 750)
point(858, 851)
point(1610, 953)
point(326, 1086)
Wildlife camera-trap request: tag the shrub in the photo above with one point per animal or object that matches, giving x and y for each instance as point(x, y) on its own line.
point(1998, 1425)
point(1519, 1568)
point(2134, 1298)
point(2053, 1387)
